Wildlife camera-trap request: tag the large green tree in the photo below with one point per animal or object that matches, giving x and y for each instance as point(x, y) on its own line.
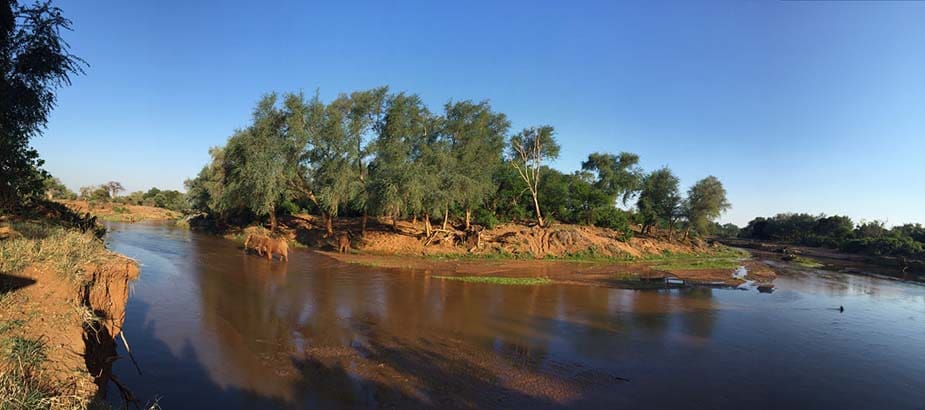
point(398, 176)
point(619, 176)
point(476, 143)
point(528, 149)
point(659, 200)
point(706, 201)
point(34, 62)
point(256, 164)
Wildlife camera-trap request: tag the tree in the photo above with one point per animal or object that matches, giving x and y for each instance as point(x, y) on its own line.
point(619, 176)
point(54, 189)
point(255, 163)
point(659, 200)
point(366, 116)
point(706, 201)
point(85, 192)
point(100, 194)
point(204, 192)
point(398, 175)
point(34, 62)
point(114, 188)
point(528, 150)
point(476, 145)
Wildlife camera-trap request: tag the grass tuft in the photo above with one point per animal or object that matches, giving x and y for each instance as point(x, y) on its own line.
point(498, 280)
point(710, 263)
point(807, 262)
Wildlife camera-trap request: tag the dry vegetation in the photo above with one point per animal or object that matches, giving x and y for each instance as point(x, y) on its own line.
point(121, 212)
point(62, 298)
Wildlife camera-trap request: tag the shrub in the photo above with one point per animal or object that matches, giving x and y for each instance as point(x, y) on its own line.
point(612, 218)
point(485, 218)
point(289, 207)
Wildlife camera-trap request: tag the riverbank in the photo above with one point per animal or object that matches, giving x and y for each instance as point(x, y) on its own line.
point(62, 302)
point(122, 212)
point(899, 268)
point(559, 253)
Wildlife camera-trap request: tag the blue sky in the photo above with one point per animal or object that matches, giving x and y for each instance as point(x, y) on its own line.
point(796, 106)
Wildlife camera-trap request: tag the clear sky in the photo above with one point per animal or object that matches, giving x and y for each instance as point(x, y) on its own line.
point(809, 106)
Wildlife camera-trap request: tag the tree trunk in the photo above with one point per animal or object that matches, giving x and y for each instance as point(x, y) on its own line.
point(329, 225)
point(394, 222)
point(365, 217)
point(468, 217)
point(272, 219)
point(670, 229)
point(446, 216)
point(536, 205)
point(426, 224)
point(414, 219)
point(687, 233)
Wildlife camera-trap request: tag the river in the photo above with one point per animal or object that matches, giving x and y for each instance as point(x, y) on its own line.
point(211, 327)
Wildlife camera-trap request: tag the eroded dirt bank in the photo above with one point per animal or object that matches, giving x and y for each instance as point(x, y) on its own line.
point(62, 303)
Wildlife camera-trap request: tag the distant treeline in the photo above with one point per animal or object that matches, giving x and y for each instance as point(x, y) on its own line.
point(387, 154)
point(838, 232)
point(109, 193)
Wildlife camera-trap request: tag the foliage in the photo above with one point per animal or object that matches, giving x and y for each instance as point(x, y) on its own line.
point(256, 163)
point(372, 152)
point(659, 199)
point(618, 176)
point(475, 135)
point(725, 230)
point(528, 150)
point(612, 218)
point(55, 189)
point(34, 63)
point(838, 232)
point(706, 200)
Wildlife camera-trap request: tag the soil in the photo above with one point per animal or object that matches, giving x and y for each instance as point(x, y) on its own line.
point(511, 239)
point(126, 213)
point(53, 309)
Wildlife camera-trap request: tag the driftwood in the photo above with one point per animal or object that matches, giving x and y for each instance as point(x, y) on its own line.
point(129, 350)
point(433, 235)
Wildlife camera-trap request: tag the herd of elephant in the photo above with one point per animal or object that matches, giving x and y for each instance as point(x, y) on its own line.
point(267, 246)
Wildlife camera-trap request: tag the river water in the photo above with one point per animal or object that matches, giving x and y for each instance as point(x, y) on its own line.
point(211, 327)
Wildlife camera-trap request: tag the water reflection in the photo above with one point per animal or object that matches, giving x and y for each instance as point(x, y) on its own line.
point(216, 327)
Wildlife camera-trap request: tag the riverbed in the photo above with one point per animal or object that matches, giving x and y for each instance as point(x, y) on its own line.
point(212, 327)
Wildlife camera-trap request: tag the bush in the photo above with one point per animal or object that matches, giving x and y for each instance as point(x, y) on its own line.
point(612, 218)
point(485, 218)
point(289, 207)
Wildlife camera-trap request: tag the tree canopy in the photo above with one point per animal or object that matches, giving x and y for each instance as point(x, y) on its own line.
point(387, 154)
point(34, 62)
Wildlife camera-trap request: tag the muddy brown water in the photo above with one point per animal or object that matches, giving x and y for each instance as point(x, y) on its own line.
point(211, 327)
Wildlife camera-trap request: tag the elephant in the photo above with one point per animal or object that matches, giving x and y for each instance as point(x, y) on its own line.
point(256, 242)
point(278, 246)
point(343, 242)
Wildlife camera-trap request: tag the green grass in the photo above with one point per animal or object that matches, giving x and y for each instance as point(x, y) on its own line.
point(28, 353)
point(498, 280)
point(807, 262)
point(627, 277)
point(8, 325)
point(708, 263)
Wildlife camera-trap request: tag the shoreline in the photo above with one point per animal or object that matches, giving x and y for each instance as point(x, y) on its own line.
point(641, 274)
point(63, 296)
